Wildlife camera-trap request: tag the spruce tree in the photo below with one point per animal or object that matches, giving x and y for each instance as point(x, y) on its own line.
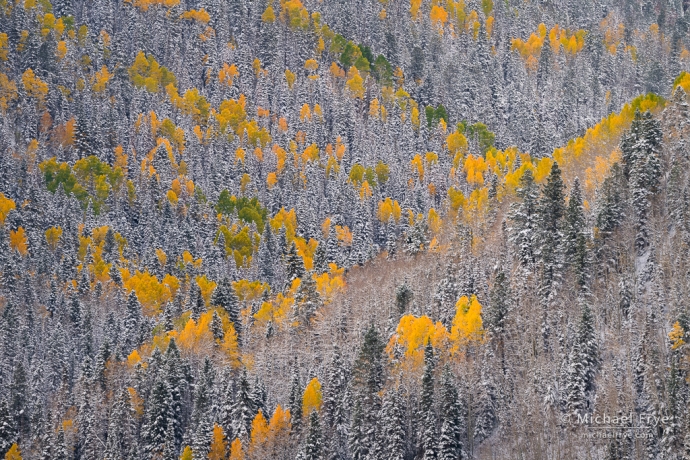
point(314, 448)
point(428, 436)
point(524, 220)
point(224, 296)
point(450, 440)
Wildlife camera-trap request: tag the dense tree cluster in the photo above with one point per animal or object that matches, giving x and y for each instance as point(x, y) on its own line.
point(372, 229)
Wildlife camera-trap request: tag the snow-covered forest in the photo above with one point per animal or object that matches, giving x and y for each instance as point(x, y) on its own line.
point(344, 229)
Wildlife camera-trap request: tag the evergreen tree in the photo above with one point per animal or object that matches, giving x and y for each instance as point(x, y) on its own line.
point(393, 434)
point(450, 441)
point(524, 218)
point(224, 296)
point(158, 417)
point(295, 266)
point(429, 436)
point(8, 435)
point(244, 410)
point(313, 448)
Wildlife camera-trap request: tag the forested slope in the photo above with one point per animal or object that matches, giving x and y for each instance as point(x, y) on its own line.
point(376, 229)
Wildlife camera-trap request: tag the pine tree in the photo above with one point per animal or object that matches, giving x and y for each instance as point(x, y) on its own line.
point(524, 219)
point(583, 360)
point(295, 403)
point(244, 410)
point(640, 147)
point(197, 302)
point(8, 434)
point(450, 440)
point(295, 266)
point(314, 448)
point(157, 419)
point(393, 434)
point(429, 436)
point(224, 296)
point(551, 213)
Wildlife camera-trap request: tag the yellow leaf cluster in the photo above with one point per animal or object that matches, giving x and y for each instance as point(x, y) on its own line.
point(275, 310)
point(676, 336)
point(152, 294)
point(236, 452)
point(144, 5)
point(330, 283)
point(34, 86)
point(146, 73)
point(467, 324)
point(438, 16)
point(206, 286)
point(53, 235)
point(14, 453)
point(100, 79)
point(294, 14)
point(197, 15)
point(290, 77)
point(355, 83)
point(192, 103)
point(219, 446)
point(412, 335)
point(597, 150)
point(268, 15)
point(4, 46)
point(6, 206)
point(227, 74)
point(8, 92)
point(312, 398)
point(388, 209)
point(18, 241)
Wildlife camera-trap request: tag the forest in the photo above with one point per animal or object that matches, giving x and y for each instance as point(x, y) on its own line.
point(344, 229)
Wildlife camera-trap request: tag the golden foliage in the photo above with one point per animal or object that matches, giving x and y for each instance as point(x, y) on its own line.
point(290, 77)
point(146, 73)
point(676, 336)
point(236, 452)
point(389, 209)
point(412, 335)
point(197, 15)
point(34, 86)
point(355, 83)
point(219, 445)
point(100, 79)
point(206, 286)
point(8, 92)
point(53, 235)
point(152, 294)
point(312, 398)
point(268, 15)
point(227, 74)
point(467, 324)
point(13, 453)
point(6, 206)
point(187, 454)
point(259, 435)
point(144, 5)
point(18, 241)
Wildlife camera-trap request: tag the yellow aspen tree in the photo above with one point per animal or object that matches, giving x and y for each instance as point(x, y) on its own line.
point(13, 453)
point(219, 445)
point(187, 454)
point(312, 398)
point(259, 436)
point(236, 452)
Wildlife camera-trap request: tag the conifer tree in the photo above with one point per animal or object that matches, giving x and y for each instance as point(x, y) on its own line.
point(224, 296)
point(313, 448)
point(525, 220)
point(450, 440)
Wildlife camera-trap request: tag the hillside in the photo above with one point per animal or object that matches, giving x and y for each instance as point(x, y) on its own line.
point(369, 229)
